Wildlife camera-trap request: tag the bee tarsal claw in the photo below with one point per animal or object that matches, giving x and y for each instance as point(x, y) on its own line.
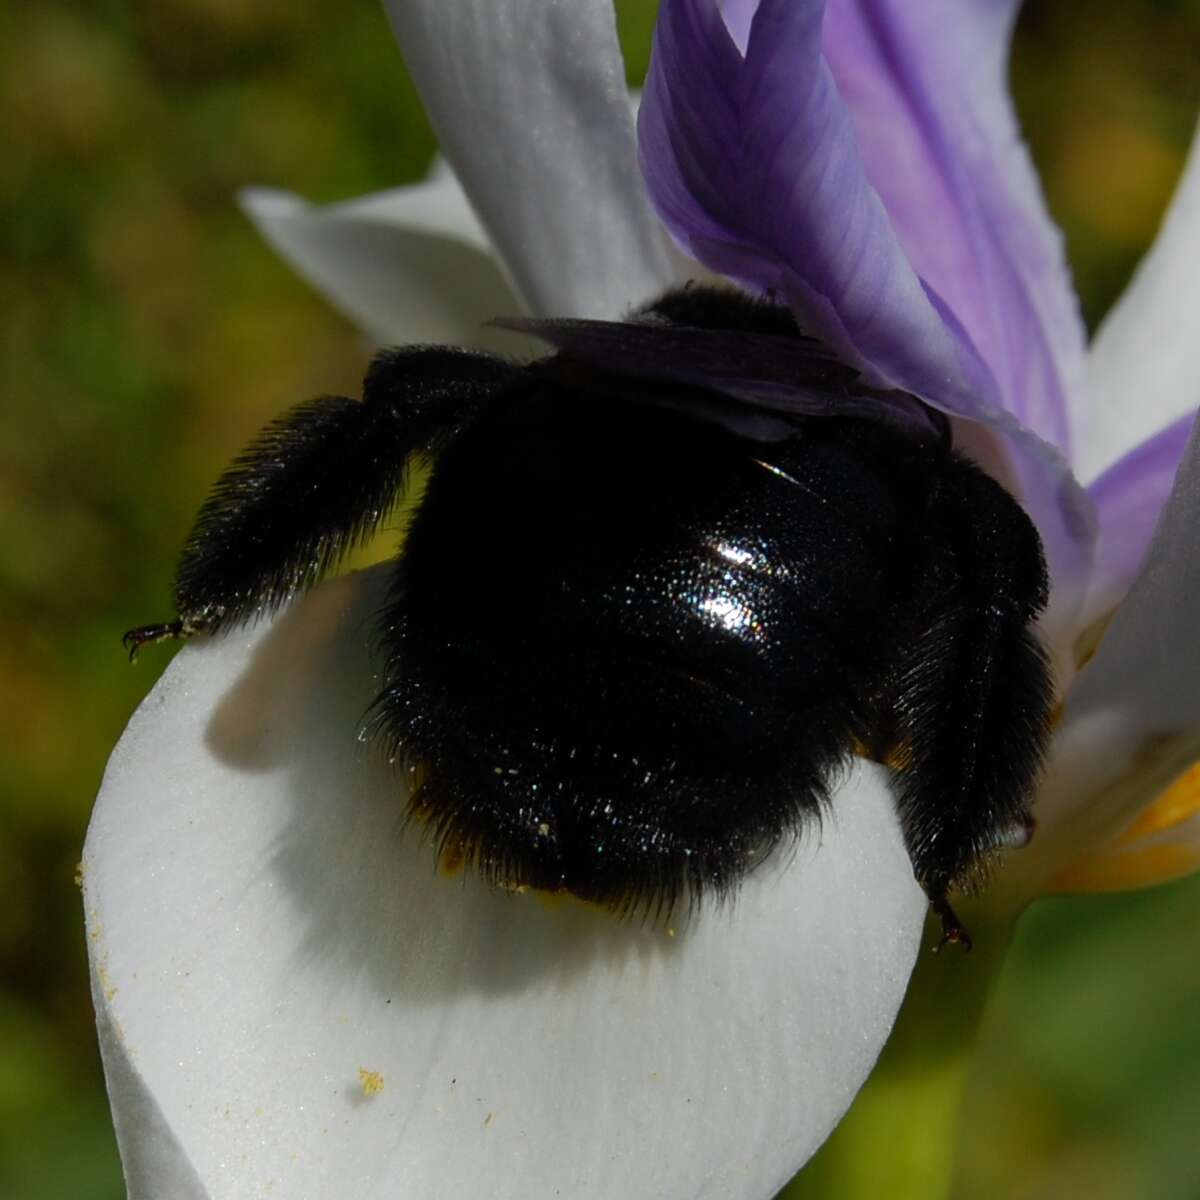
point(953, 930)
point(135, 639)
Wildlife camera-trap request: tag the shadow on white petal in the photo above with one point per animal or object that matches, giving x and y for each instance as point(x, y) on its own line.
point(153, 1161)
point(299, 695)
point(311, 1002)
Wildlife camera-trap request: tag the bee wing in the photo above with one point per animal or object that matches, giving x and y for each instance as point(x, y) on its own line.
point(757, 376)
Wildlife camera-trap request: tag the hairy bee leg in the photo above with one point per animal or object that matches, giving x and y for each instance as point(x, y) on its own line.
point(317, 482)
point(971, 692)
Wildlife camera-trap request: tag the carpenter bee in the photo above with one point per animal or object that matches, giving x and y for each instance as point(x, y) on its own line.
point(661, 585)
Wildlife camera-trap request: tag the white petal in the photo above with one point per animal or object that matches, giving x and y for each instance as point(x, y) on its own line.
point(155, 1164)
point(529, 103)
point(1132, 720)
point(407, 265)
point(262, 930)
point(1144, 371)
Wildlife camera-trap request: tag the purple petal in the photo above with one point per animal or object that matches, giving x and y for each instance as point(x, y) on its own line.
point(1129, 497)
point(927, 92)
point(752, 165)
point(755, 166)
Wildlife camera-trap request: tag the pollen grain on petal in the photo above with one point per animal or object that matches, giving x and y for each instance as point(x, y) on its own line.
point(371, 1081)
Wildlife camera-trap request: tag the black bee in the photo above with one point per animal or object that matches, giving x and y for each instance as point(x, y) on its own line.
point(660, 586)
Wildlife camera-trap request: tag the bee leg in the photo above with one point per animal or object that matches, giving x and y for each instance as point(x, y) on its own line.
point(970, 691)
point(318, 482)
point(134, 639)
point(973, 709)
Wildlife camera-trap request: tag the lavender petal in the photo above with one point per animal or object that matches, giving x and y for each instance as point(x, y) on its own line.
point(1129, 498)
point(927, 92)
point(752, 165)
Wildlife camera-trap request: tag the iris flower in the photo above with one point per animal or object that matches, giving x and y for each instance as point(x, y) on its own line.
point(291, 999)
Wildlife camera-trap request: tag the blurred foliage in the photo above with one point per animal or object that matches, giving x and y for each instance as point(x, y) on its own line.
point(147, 333)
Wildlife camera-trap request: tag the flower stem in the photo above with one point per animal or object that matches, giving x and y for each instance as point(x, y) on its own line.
point(899, 1139)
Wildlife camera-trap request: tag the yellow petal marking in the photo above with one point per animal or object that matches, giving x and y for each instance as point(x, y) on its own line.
point(1131, 863)
point(1174, 806)
point(1128, 871)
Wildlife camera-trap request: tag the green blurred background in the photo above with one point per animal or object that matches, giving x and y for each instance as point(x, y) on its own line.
point(147, 333)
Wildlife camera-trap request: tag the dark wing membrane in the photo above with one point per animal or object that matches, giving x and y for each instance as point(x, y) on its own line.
point(788, 376)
